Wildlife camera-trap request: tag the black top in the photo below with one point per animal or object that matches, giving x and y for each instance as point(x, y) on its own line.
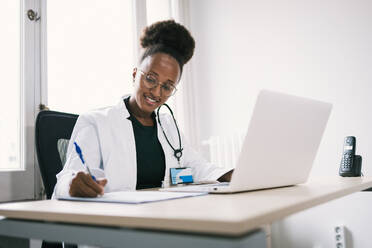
point(150, 154)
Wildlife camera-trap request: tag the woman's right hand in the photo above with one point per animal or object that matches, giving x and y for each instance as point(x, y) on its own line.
point(83, 185)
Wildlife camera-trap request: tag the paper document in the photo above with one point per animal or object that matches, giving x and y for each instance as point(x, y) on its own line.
point(134, 197)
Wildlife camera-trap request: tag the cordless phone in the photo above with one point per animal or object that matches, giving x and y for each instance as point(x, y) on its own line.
point(350, 163)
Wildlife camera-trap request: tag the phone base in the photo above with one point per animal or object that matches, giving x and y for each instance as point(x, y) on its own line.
point(357, 168)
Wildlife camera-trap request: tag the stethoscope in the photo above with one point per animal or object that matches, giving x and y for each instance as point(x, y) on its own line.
point(177, 152)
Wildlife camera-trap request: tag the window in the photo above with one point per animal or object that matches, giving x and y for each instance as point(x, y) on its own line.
point(10, 101)
point(89, 53)
point(18, 99)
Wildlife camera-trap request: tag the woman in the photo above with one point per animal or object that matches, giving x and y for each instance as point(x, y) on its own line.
point(124, 143)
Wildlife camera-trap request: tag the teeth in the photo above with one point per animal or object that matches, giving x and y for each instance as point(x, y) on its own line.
point(151, 100)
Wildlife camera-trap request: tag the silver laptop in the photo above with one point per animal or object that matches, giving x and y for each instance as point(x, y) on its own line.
point(280, 145)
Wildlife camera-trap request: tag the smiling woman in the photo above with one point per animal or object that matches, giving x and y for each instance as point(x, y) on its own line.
point(167, 46)
point(147, 95)
point(124, 141)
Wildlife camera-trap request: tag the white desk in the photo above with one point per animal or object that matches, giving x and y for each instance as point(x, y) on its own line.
point(233, 220)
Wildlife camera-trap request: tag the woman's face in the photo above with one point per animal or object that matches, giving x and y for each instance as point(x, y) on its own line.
point(162, 67)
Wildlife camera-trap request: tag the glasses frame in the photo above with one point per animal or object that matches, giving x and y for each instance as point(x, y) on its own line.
point(145, 74)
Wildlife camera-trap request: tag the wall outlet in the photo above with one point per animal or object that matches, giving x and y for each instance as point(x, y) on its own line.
point(340, 240)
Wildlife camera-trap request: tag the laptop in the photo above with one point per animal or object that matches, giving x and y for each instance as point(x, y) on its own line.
point(280, 145)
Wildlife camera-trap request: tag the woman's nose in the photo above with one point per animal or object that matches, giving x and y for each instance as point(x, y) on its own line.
point(156, 91)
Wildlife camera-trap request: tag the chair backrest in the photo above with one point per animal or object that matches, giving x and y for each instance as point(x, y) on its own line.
point(50, 127)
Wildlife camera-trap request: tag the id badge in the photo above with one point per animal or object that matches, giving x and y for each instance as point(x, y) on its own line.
point(181, 175)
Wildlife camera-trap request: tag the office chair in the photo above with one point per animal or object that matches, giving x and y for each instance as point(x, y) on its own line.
point(51, 127)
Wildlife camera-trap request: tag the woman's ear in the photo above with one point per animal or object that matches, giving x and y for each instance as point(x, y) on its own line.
point(134, 73)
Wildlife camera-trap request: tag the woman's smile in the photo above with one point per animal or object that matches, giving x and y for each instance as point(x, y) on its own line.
point(151, 101)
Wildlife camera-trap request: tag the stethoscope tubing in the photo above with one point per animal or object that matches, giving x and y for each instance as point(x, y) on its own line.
point(177, 152)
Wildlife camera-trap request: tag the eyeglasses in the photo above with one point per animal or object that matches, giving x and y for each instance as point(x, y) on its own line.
point(151, 82)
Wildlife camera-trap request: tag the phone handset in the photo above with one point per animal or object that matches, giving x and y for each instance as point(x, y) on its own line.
point(350, 163)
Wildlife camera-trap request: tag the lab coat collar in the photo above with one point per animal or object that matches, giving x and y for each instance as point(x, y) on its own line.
point(121, 106)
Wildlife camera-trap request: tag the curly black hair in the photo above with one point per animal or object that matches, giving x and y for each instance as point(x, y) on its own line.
point(170, 38)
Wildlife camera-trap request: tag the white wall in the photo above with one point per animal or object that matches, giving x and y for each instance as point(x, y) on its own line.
point(319, 49)
point(315, 227)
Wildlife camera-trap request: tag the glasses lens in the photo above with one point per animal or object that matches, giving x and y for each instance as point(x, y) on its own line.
point(151, 82)
point(167, 89)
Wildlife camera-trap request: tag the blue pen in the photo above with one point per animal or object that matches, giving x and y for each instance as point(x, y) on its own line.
point(79, 152)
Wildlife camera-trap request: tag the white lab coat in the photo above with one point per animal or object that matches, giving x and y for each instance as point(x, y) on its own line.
point(107, 142)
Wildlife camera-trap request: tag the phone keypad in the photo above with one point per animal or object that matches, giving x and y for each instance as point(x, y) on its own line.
point(346, 162)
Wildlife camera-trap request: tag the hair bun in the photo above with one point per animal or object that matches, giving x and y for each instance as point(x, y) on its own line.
point(169, 34)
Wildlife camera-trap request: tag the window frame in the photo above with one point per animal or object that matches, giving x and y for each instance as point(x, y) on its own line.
point(15, 184)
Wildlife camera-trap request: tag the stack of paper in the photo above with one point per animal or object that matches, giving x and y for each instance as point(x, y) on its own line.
point(135, 197)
